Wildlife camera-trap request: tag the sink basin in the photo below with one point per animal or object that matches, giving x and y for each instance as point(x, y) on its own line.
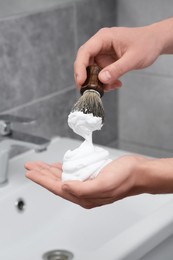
point(33, 221)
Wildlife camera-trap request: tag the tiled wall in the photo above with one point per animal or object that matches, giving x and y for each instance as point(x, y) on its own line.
point(37, 52)
point(36, 66)
point(146, 99)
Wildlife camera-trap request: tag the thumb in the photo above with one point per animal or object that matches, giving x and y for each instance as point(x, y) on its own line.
point(111, 73)
point(72, 186)
point(81, 188)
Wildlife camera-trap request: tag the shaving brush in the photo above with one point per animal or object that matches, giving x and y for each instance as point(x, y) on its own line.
point(91, 92)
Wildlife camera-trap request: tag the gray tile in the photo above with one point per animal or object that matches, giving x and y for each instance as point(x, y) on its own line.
point(50, 115)
point(162, 66)
point(139, 12)
point(93, 15)
point(144, 150)
point(145, 110)
point(36, 56)
point(113, 143)
point(109, 131)
point(17, 7)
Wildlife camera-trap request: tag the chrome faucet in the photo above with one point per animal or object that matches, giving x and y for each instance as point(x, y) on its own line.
point(9, 137)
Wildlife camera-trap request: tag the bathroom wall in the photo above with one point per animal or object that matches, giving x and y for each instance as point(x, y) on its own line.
point(37, 52)
point(146, 99)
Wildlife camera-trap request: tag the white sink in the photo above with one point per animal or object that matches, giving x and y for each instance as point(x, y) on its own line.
point(127, 229)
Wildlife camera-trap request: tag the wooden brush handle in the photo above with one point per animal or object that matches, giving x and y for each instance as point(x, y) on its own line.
point(92, 81)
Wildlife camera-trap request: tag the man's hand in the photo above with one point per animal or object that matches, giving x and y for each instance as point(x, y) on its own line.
point(117, 180)
point(117, 50)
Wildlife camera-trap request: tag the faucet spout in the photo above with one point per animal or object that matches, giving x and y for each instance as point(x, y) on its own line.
point(37, 143)
point(10, 138)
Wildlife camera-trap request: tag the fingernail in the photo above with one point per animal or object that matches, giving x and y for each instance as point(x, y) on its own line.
point(79, 80)
point(105, 76)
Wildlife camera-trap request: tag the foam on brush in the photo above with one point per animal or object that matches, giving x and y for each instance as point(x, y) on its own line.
point(90, 102)
point(92, 90)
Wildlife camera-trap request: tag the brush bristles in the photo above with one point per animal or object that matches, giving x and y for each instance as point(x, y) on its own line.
point(90, 102)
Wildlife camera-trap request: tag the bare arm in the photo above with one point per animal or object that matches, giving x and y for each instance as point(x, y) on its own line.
point(164, 29)
point(123, 177)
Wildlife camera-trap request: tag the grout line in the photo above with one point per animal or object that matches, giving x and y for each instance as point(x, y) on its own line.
point(144, 145)
point(52, 6)
point(152, 74)
point(76, 39)
point(39, 100)
point(75, 28)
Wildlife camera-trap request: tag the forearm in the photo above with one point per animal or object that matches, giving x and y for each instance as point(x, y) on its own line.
point(164, 32)
point(156, 176)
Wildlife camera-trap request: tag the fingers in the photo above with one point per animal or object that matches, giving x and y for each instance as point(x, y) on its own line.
point(36, 165)
point(95, 188)
point(46, 175)
point(102, 50)
point(57, 165)
point(44, 169)
point(87, 53)
point(89, 194)
point(112, 72)
point(40, 165)
point(45, 179)
point(117, 84)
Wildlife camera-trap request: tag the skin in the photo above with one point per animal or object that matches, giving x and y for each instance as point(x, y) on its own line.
point(107, 187)
point(120, 49)
point(116, 50)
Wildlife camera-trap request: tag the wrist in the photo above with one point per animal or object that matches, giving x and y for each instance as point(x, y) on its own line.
point(142, 176)
point(163, 31)
point(155, 176)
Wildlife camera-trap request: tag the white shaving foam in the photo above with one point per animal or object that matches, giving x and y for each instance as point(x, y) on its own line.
point(86, 161)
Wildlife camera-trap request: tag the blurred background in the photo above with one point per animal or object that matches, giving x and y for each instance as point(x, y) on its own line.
point(38, 43)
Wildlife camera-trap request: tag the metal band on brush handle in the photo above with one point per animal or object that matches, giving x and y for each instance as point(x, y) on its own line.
point(92, 81)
